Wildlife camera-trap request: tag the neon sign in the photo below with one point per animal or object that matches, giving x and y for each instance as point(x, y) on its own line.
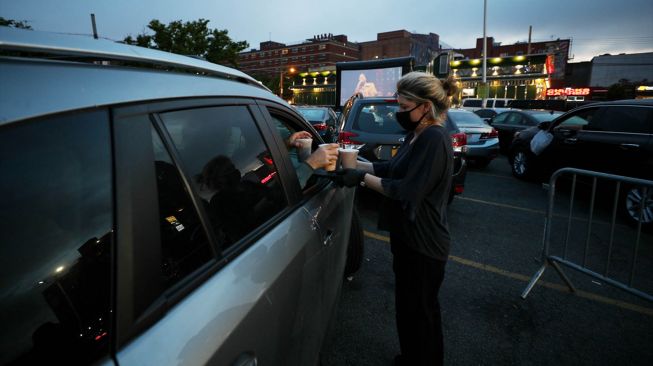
point(567, 91)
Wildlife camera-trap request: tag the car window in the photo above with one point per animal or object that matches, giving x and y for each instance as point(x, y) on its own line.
point(485, 113)
point(578, 120)
point(499, 103)
point(313, 115)
point(229, 165)
point(500, 118)
point(184, 244)
point(378, 118)
point(464, 118)
point(514, 119)
point(56, 224)
point(472, 102)
point(285, 129)
point(624, 119)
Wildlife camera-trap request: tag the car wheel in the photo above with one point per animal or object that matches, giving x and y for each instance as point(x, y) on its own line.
point(520, 163)
point(633, 202)
point(356, 245)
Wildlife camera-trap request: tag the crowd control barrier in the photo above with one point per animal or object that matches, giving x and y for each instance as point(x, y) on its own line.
point(555, 261)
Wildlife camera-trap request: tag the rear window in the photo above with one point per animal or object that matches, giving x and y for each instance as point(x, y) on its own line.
point(499, 103)
point(313, 114)
point(464, 119)
point(378, 118)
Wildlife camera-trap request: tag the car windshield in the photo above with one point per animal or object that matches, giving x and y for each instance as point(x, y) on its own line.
point(378, 118)
point(313, 114)
point(545, 117)
point(466, 119)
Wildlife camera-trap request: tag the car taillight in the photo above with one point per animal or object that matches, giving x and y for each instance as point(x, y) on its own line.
point(458, 188)
point(493, 134)
point(320, 126)
point(345, 137)
point(459, 142)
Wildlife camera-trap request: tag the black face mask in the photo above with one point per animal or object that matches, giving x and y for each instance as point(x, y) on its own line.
point(404, 119)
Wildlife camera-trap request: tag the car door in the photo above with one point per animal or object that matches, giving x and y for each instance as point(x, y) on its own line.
point(329, 209)
point(617, 142)
point(213, 262)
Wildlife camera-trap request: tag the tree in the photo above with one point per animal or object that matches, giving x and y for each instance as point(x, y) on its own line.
point(14, 23)
point(192, 39)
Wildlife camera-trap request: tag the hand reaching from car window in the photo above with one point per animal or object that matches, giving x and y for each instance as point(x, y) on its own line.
point(326, 154)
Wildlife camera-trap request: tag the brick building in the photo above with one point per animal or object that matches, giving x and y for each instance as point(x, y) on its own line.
point(317, 53)
point(401, 43)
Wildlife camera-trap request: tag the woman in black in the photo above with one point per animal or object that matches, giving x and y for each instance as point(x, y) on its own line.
point(416, 184)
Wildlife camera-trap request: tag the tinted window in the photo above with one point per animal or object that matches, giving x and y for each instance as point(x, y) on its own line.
point(184, 245)
point(228, 163)
point(485, 113)
point(578, 120)
point(472, 102)
point(499, 103)
point(378, 118)
point(624, 119)
point(55, 240)
point(545, 117)
point(500, 118)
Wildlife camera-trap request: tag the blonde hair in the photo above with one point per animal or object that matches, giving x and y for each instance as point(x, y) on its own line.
point(420, 87)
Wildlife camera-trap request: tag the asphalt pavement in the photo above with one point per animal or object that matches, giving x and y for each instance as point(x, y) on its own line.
point(497, 228)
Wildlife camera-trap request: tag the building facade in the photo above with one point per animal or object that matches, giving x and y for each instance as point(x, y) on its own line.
point(401, 43)
point(518, 71)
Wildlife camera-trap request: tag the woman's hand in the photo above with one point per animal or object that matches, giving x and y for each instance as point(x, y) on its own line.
point(292, 140)
point(326, 154)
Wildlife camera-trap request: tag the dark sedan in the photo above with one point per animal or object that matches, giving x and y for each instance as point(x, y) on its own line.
point(508, 123)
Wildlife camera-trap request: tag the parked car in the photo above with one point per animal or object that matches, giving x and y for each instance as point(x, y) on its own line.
point(482, 139)
point(473, 104)
point(323, 120)
point(154, 215)
point(370, 125)
point(512, 121)
point(487, 113)
point(610, 137)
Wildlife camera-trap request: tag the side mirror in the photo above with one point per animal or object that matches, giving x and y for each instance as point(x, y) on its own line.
point(544, 125)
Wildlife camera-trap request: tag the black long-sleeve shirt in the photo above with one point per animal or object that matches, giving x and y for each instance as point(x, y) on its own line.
point(416, 182)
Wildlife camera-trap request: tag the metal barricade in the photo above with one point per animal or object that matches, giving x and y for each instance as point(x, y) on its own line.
point(551, 260)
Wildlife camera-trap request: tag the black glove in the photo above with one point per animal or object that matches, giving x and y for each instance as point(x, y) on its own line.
point(349, 177)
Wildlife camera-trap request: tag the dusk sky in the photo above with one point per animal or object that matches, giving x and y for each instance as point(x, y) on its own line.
point(595, 27)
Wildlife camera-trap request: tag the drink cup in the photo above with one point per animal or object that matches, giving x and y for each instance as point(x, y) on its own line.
point(348, 158)
point(332, 166)
point(305, 148)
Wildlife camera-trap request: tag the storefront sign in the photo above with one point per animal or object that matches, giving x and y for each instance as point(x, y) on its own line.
point(567, 91)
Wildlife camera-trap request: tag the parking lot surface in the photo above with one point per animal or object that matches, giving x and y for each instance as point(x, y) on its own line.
point(497, 228)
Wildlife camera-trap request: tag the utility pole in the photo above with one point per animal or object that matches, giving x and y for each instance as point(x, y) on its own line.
point(484, 89)
point(94, 27)
point(530, 30)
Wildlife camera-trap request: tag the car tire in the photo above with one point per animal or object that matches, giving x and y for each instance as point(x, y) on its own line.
point(355, 248)
point(631, 203)
point(520, 164)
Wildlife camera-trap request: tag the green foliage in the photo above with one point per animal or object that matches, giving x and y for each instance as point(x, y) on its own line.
point(192, 39)
point(14, 23)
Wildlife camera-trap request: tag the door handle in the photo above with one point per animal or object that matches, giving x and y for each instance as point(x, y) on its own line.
point(571, 140)
point(629, 146)
point(328, 238)
point(245, 359)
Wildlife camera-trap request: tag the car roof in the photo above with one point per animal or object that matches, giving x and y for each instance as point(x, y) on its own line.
point(42, 86)
point(637, 102)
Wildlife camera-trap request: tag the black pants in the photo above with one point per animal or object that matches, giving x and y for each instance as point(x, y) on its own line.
point(417, 283)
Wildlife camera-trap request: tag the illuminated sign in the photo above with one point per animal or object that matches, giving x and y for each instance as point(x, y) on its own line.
point(644, 88)
point(567, 91)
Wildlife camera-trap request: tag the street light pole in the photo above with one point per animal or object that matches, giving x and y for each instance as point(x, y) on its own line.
point(485, 88)
point(290, 71)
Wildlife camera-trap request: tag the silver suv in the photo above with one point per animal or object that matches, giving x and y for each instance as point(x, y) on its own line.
point(152, 212)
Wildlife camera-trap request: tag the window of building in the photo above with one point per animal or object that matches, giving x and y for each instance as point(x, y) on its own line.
point(56, 232)
point(321, 47)
point(284, 51)
point(294, 50)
